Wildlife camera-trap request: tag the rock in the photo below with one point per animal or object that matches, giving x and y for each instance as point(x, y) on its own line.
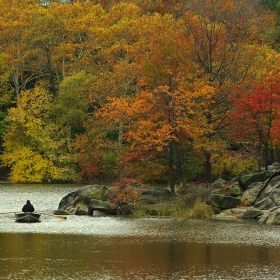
point(84, 194)
point(265, 204)
point(234, 190)
point(219, 191)
point(252, 193)
point(269, 196)
point(81, 211)
point(61, 212)
point(274, 218)
point(154, 195)
point(252, 213)
point(219, 183)
point(71, 210)
point(274, 166)
point(264, 217)
point(246, 180)
point(101, 206)
point(237, 211)
point(97, 213)
point(224, 217)
point(223, 202)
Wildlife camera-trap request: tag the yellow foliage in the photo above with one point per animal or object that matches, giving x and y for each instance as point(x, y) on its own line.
point(228, 165)
point(28, 166)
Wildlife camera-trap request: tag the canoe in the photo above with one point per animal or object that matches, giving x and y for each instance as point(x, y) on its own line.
point(27, 217)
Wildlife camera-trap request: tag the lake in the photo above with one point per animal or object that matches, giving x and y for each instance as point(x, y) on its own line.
point(83, 247)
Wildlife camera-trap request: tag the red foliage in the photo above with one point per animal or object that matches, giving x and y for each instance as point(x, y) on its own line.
point(256, 114)
point(123, 196)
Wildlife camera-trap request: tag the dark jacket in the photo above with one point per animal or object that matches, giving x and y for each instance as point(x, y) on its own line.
point(28, 207)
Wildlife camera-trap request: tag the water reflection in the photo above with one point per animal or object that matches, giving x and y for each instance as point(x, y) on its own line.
point(127, 248)
point(45, 256)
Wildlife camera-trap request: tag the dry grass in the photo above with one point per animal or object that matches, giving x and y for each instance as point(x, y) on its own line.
point(201, 210)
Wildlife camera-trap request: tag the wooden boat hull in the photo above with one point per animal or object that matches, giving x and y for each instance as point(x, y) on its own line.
point(27, 217)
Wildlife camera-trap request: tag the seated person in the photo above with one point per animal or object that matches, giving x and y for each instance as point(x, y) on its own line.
point(28, 207)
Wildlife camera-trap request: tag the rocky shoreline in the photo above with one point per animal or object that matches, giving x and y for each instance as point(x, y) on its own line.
point(253, 196)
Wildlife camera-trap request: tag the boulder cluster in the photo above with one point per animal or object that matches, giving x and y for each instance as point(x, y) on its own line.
point(93, 199)
point(254, 196)
point(249, 196)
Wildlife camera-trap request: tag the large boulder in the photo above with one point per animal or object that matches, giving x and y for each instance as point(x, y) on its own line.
point(81, 211)
point(154, 195)
point(234, 190)
point(252, 213)
point(101, 206)
point(223, 202)
point(84, 195)
point(252, 193)
point(269, 196)
point(259, 176)
point(273, 217)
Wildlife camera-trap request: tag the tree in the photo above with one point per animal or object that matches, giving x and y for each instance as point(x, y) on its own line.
point(255, 117)
point(23, 143)
point(168, 111)
point(6, 93)
point(70, 107)
point(37, 149)
point(221, 35)
point(15, 18)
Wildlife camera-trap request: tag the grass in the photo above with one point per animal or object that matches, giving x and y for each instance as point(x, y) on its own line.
point(174, 209)
point(201, 210)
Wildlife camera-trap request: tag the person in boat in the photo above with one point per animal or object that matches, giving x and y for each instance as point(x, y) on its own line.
point(28, 207)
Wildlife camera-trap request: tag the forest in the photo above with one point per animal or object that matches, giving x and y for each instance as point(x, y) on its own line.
point(150, 91)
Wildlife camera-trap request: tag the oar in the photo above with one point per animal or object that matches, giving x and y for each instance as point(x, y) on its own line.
point(11, 212)
point(57, 216)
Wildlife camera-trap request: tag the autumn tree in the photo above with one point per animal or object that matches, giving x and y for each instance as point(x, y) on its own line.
point(23, 141)
point(255, 116)
point(36, 149)
point(221, 35)
point(168, 111)
point(15, 17)
point(71, 106)
point(6, 94)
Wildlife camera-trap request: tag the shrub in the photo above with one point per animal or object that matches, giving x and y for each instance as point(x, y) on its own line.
point(124, 197)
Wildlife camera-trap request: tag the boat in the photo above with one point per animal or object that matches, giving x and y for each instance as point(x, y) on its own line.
point(27, 217)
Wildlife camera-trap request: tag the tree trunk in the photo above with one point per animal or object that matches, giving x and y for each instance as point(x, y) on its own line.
point(208, 168)
point(172, 180)
point(266, 156)
point(182, 168)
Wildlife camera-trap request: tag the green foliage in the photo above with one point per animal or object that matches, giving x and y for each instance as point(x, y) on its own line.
point(272, 4)
point(229, 165)
point(71, 105)
point(179, 209)
point(195, 168)
point(176, 209)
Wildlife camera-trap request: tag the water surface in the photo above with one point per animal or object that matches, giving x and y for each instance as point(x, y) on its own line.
point(84, 247)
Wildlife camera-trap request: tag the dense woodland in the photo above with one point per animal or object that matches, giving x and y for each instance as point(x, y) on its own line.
point(148, 90)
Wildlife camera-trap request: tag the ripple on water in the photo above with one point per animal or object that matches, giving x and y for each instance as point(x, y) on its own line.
point(47, 197)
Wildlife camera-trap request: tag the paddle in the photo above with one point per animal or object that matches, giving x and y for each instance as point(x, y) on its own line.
point(57, 216)
point(10, 212)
